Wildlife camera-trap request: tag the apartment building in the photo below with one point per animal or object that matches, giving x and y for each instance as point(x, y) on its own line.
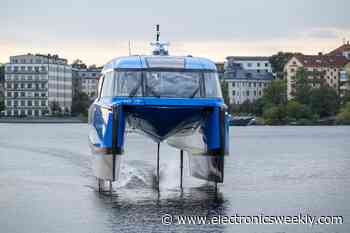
point(244, 84)
point(253, 63)
point(88, 79)
point(329, 66)
point(36, 85)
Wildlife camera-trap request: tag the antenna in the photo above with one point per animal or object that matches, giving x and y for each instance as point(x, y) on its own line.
point(159, 48)
point(129, 48)
point(158, 32)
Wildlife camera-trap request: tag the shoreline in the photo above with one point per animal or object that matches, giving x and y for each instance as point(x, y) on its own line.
point(54, 120)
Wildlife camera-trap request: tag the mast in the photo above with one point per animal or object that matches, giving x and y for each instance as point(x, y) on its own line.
point(159, 48)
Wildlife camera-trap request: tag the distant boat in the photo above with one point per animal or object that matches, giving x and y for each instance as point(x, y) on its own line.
point(242, 121)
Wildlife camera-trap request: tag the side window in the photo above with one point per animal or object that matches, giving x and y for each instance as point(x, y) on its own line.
point(108, 85)
point(212, 85)
point(100, 82)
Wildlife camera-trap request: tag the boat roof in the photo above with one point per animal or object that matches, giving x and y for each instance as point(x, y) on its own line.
point(142, 62)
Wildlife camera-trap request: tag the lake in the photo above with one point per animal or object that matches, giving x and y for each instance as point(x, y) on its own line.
point(47, 185)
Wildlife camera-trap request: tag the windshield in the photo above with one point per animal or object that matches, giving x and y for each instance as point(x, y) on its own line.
point(167, 84)
point(173, 84)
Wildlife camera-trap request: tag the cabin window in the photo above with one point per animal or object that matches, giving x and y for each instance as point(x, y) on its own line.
point(173, 84)
point(107, 85)
point(128, 84)
point(212, 85)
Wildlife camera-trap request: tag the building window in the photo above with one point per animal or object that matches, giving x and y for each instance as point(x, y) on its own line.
point(8, 103)
point(249, 64)
point(247, 93)
point(266, 64)
point(23, 103)
point(258, 64)
point(233, 84)
point(30, 103)
point(43, 103)
point(23, 94)
point(29, 112)
point(9, 94)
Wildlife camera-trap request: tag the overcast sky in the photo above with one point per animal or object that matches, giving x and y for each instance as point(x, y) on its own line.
point(96, 31)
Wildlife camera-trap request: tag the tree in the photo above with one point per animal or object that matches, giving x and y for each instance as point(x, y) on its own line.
point(278, 61)
point(344, 116)
point(55, 107)
point(275, 93)
point(345, 98)
point(301, 86)
point(275, 115)
point(224, 89)
point(297, 111)
point(324, 101)
point(80, 104)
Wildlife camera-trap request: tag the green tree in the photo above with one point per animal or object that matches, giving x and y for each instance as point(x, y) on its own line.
point(278, 61)
point(301, 86)
point(297, 111)
point(80, 104)
point(343, 116)
point(345, 98)
point(225, 94)
point(324, 101)
point(275, 93)
point(55, 107)
point(275, 115)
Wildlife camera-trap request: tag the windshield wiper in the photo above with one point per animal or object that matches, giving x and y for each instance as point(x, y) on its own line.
point(194, 93)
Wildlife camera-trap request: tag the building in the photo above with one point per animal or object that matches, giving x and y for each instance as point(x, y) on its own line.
point(220, 67)
point(343, 51)
point(258, 64)
point(344, 85)
point(37, 84)
point(245, 84)
point(327, 66)
point(86, 79)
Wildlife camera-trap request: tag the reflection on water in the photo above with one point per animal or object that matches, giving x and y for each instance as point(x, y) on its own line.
point(46, 181)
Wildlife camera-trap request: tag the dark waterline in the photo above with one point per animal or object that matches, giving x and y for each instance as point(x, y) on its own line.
point(46, 181)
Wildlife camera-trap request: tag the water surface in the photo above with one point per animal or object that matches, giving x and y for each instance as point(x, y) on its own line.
point(46, 181)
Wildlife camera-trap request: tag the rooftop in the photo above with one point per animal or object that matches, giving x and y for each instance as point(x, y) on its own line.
point(248, 58)
point(237, 72)
point(340, 50)
point(321, 60)
point(171, 62)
